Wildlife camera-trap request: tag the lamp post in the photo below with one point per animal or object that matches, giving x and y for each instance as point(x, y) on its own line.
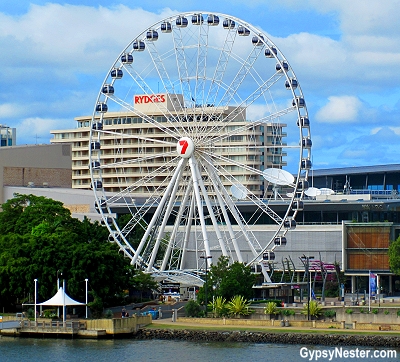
point(35, 280)
point(86, 283)
point(306, 262)
point(205, 257)
point(58, 280)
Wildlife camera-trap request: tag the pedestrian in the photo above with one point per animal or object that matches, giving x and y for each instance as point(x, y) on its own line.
point(123, 312)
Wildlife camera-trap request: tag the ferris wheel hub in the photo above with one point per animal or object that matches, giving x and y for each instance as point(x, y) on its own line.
point(185, 147)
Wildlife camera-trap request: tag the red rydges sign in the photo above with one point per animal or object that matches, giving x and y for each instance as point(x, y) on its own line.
point(154, 98)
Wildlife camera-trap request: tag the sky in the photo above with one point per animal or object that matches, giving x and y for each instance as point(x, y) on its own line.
point(345, 54)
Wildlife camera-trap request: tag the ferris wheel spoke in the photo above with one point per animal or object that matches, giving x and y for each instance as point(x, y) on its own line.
point(261, 205)
point(220, 69)
point(250, 125)
point(217, 188)
point(259, 92)
point(240, 220)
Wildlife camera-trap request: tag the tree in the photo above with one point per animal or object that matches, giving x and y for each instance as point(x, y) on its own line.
point(228, 280)
point(38, 237)
point(143, 282)
point(394, 256)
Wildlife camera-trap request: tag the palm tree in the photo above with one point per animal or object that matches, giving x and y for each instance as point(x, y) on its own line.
point(218, 306)
point(271, 309)
point(238, 306)
point(315, 309)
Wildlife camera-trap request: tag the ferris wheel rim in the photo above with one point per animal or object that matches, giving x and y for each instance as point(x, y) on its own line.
point(287, 74)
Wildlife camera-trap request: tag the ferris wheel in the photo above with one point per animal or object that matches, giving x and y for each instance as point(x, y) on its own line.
point(199, 143)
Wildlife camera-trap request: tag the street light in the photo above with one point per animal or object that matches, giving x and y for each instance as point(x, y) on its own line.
point(205, 282)
point(307, 269)
point(58, 280)
point(86, 283)
point(35, 280)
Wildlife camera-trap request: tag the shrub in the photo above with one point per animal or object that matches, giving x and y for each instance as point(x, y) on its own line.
point(238, 306)
point(288, 312)
point(349, 311)
point(375, 311)
point(386, 312)
point(330, 313)
point(108, 314)
point(271, 308)
point(219, 307)
point(398, 313)
point(193, 309)
point(315, 309)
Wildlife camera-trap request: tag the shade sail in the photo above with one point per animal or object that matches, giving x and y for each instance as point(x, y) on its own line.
point(58, 299)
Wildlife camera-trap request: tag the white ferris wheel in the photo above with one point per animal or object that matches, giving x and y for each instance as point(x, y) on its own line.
point(200, 136)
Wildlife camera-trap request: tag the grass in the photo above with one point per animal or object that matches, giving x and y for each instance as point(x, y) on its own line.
point(206, 327)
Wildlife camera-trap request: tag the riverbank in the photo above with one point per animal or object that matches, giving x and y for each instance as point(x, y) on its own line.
point(209, 331)
point(269, 337)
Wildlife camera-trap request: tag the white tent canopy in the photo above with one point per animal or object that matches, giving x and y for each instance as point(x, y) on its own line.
point(61, 299)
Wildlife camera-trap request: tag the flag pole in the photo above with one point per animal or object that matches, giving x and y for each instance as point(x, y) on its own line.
point(369, 290)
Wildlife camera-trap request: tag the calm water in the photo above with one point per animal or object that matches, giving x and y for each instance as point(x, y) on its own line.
point(60, 350)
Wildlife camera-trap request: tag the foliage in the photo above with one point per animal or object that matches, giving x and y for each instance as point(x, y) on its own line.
point(315, 309)
point(398, 313)
point(375, 311)
point(238, 306)
point(39, 239)
point(278, 302)
point(228, 281)
point(219, 307)
point(49, 313)
point(386, 312)
point(288, 312)
point(108, 314)
point(271, 308)
point(330, 313)
point(96, 307)
point(193, 309)
point(142, 282)
point(349, 311)
point(394, 256)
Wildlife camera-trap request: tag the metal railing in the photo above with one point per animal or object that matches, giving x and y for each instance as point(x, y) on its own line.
point(51, 324)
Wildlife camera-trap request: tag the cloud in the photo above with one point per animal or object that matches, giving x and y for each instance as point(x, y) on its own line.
point(8, 110)
point(340, 109)
point(36, 130)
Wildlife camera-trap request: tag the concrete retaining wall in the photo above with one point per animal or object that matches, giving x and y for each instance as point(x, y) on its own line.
point(118, 325)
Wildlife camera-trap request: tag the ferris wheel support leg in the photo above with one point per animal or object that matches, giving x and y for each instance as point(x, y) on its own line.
point(187, 233)
point(164, 222)
point(158, 212)
point(217, 186)
point(212, 216)
point(193, 165)
point(175, 229)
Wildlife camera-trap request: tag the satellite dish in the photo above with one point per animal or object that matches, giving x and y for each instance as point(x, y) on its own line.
point(326, 191)
point(312, 192)
point(278, 176)
point(239, 191)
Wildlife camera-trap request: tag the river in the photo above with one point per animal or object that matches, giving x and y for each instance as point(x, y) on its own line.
point(121, 350)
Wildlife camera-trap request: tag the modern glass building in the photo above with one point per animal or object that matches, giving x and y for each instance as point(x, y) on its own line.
point(8, 136)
